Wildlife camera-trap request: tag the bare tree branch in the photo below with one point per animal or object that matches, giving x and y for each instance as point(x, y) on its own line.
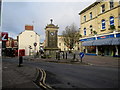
point(71, 36)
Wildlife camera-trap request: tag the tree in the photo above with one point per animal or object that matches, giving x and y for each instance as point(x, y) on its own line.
point(71, 36)
point(112, 27)
point(94, 32)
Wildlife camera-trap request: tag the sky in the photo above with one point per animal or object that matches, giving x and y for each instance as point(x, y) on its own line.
point(16, 14)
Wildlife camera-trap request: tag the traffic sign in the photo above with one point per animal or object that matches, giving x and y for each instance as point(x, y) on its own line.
point(35, 44)
point(81, 54)
point(4, 36)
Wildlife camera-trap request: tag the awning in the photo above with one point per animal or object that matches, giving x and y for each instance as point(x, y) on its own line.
point(116, 41)
point(102, 42)
point(109, 41)
point(87, 43)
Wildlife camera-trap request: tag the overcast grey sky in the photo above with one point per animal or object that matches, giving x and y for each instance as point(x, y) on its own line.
point(15, 15)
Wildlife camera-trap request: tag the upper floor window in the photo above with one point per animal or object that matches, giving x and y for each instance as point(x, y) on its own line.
point(59, 44)
point(84, 18)
point(103, 24)
point(91, 30)
point(84, 31)
point(111, 20)
point(111, 4)
point(103, 8)
point(91, 15)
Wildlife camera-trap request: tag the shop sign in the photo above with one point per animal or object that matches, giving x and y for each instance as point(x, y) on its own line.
point(118, 35)
point(88, 39)
point(106, 36)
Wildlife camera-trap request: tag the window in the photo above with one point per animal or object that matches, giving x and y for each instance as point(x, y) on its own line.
point(103, 8)
point(59, 44)
point(91, 15)
point(91, 30)
point(111, 20)
point(84, 18)
point(111, 4)
point(64, 49)
point(84, 31)
point(103, 24)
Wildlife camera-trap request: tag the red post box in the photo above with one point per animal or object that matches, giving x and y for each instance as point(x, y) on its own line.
point(21, 52)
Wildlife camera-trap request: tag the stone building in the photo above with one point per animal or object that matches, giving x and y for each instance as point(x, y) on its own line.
point(61, 43)
point(100, 28)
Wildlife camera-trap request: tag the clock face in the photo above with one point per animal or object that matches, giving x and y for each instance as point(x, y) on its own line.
point(52, 33)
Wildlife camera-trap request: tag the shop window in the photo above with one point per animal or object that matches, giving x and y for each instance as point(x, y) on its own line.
point(103, 24)
point(84, 31)
point(103, 8)
point(91, 49)
point(111, 20)
point(111, 4)
point(91, 15)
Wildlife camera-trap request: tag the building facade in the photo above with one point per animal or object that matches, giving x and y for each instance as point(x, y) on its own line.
point(61, 43)
point(100, 28)
point(11, 47)
point(29, 40)
point(63, 47)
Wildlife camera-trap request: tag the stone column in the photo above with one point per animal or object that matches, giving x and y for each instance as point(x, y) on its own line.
point(96, 50)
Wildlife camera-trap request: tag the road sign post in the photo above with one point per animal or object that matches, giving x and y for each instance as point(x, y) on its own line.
point(35, 44)
point(81, 56)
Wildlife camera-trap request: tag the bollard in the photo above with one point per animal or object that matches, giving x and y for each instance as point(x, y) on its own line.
point(74, 57)
point(66, 55)
point(58, 56)
point(20, 60)
point(63, 55)
point(81, 60)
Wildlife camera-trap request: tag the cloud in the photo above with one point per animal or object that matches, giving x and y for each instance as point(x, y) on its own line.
point(16, 14)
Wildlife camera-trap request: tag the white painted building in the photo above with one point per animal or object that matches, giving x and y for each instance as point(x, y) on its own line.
point(27, 39)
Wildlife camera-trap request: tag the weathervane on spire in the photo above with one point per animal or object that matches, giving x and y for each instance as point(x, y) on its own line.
point(51, 21)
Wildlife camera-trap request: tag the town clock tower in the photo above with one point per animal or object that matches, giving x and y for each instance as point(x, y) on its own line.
point(51, 38)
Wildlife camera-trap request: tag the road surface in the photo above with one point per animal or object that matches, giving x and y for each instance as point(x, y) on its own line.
point(75, 76)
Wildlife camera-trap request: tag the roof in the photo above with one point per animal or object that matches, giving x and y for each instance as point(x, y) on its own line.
point(52, 26)
point(89, 7)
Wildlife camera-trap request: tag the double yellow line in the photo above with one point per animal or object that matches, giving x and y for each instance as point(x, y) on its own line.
point(42, 79)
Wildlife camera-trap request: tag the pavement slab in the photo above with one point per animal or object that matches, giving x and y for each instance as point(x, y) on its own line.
point(17, 77)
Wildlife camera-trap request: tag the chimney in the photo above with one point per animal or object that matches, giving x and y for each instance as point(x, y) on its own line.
point(28, 27)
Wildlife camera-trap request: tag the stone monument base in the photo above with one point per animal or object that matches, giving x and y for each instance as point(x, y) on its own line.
point(51, 51)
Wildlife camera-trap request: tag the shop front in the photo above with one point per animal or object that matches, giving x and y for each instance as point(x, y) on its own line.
point(107, 45)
